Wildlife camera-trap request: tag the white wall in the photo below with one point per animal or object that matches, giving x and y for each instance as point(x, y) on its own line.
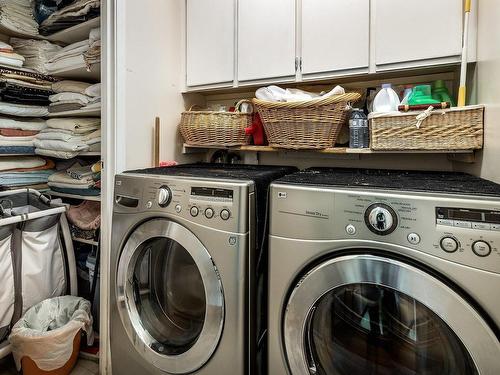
point(149, 49)
point(488, 88)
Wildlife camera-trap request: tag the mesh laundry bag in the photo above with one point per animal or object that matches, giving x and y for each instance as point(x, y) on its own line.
point(46, 333)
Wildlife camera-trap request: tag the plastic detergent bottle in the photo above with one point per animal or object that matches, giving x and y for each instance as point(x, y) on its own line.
point(440, 92)
point(422, 95)
point(406, 94)
point(386, 100)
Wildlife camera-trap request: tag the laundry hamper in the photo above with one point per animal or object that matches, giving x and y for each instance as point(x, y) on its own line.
point(213, 128)
point(312, 124)
point(459, 128)
point(36, 254)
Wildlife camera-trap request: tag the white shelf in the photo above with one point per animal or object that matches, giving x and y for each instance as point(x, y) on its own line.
point(88, 242)
point(93, 112)
point(80, 73)
point(75, 196)
point(90, 153)
point(4, 155)
point(75, 33)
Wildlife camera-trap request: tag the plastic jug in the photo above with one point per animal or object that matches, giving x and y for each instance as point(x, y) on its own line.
point(440, 92)
point(407, 94)
point(422, 95)
point(386, 100)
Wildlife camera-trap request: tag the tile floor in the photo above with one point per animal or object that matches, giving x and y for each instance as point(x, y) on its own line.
point(83, 367)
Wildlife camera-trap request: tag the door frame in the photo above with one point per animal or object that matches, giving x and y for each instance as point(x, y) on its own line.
point(462, 319)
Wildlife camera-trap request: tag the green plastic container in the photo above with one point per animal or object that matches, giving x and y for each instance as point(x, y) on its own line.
point(422, 95)
point(440, 92)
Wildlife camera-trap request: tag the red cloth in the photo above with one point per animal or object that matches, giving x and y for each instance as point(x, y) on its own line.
point(256, 130)
point(17, 132)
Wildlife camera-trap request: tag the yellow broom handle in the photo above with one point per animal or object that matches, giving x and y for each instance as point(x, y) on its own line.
point(467, 6)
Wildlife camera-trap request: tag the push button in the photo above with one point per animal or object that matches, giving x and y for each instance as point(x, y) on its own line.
point(462, 224)
point(225, 214)
point(449, 244)
point(413, 238)
point(178, 208)
point(482, 226)
point(350, 229)
point(209, 213)
point(481, 248)
point(194, 211)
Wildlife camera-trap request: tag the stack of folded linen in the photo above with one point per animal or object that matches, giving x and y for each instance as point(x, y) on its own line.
point(17, 136)
point(36, 53)
point(17, 16)
point(24, 94)
point(65, 182)
point(77, 12)
point(65, 138)
point(9, 57)
point(88, 98)
point(84, 53)
point(23, 172)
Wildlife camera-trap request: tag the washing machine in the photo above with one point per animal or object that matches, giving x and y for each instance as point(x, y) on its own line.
point(384, 272)
point(186, 241)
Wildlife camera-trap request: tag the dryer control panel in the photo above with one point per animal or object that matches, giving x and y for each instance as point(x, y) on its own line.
point(461, 229)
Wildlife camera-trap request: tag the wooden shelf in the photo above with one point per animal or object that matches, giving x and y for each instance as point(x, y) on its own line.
point(83, 240)
point(334, 150)
point(93, 112)
point(75, 33)
point(75, 196)
point(80, 73)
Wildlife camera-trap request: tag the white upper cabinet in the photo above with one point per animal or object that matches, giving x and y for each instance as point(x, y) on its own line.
point(413, 30)
point(210, 30)
point(266, 39)
point(335, 35)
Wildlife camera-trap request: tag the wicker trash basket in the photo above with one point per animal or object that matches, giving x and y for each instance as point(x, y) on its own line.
point(312, 124)
point(212, 128)
point(459, 128)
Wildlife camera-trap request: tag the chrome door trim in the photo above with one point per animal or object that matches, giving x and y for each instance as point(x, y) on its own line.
point(205, 345)
point(477, 337)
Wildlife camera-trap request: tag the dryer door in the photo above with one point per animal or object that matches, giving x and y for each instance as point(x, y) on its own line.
point(366, 314)
point(170, 296)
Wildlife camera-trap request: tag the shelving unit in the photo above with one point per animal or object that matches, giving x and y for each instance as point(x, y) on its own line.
point(189, 149)
point(93, 112)
point(95, 198)
point(76, 33)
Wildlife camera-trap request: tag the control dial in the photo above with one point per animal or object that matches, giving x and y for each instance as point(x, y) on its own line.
point(381, 219)
point(449, 244)
point(164, 196)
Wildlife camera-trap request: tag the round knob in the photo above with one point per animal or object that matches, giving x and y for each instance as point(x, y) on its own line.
point(164, 196)
point(481, 248)
point(449, 244)
point(209, 213)
point(225, 214)
point(381, 219)
point(194, 211)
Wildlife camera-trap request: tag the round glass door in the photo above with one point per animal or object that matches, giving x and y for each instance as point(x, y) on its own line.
point(366, 314)
point(170, 296)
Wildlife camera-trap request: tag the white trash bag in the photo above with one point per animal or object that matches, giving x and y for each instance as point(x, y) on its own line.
point(47, 330)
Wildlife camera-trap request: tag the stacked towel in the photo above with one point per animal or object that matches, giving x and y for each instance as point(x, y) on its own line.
point(65, 138)
point(84, 53)
point(79, 11)
point(18, 136)
point(70, 101)
point(63, 181)
point(24, 94)
point(17, 172)
point(10, 58)
point(17, 17)
point(36, 53)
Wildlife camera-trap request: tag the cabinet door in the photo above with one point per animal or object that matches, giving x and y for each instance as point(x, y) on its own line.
point(210, 41)
point(412, 30)
point(266, 39)
point(335, 35)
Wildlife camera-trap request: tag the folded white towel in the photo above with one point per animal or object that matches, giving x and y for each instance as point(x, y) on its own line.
point(9, 123)
point(71, 86)
point(53, 144)
point(70, 96)
point(57, 154)
point(75, 124)
point(22, 110)
point(16, 162)
point(277, 94)
point(94, 90)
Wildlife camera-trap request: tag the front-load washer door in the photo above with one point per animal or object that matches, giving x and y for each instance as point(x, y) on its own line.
point(170, 296)
point(365, 314)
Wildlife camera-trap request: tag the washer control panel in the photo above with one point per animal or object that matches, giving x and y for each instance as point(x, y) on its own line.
point(210, 203)
point(462, 229)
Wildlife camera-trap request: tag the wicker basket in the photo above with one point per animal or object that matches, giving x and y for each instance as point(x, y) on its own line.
point(458, 128)
point(312, 124)
point(211, 128)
